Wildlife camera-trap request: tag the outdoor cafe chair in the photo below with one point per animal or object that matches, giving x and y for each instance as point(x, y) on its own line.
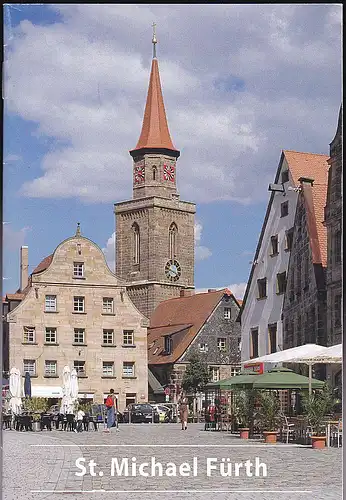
point(287, 428)
point(336, 433)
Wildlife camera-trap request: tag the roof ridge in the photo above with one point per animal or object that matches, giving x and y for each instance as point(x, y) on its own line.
point(304, 152)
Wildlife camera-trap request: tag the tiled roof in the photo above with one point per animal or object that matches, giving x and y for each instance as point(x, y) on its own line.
point(181, 317)
point(155, 132)
point(15, 296)
point(43, 264)
point(307, 165)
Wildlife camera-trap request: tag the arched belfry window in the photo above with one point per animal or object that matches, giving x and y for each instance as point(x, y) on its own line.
point(173, 240)
point(136, 243)
point(154, 170)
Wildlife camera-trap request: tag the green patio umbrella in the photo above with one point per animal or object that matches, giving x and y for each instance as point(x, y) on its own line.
point(279, 378)
point(242, 379)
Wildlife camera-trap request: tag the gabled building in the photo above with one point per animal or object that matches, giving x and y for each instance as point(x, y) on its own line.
point(155, 229)
point(204, 323)
point(74, 311)
point(333, 222)
point(261, 312)
point(304, 310)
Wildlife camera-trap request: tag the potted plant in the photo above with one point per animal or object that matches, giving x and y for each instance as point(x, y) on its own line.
point(243, 411)
point(316, 407)
point(268, 416)
point(36, 406)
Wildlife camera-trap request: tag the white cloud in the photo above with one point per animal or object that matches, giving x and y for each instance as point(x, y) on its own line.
point(109, 252)
point(13, 239)
point(12, 158)
point(83, 81)
point(201, 252)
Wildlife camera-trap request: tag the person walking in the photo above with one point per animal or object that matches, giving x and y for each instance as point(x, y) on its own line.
point(183, 413)
point(110, 406)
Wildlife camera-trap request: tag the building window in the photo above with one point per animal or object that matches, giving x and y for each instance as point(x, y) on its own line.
point(136, 243)
point(227, 313)
point(79, 336)
point(154, 170)
point(254, 343)
point(78, 304)
point(29, 365)
point(272, 329)
point(50, 303)
point(108, 337)
point(284, 176)
point(289, 239)
point(284, 209)
point(79, 366)
point(234, 371)
point(203, 347)
point(262, 288)
point(29, 335)
point(214, 373)
point(281, 283)
point(337, 247)
point(168, 345)
point(50, 368)
point(50, 336)
point(274, 240)
point(173, 235)
point(78, 269)
point(128, 369)
point(337, 310)
point(108, 305)
point(130, 398)
point(128, 337)
point(108, 369)
point(221, 343)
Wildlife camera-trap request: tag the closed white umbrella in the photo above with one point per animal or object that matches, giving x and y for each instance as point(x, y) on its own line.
point(66, 402)
point(16, 391)
point(74, 386)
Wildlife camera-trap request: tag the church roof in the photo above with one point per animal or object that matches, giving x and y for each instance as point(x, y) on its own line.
point(155, 133)
point(182, 318)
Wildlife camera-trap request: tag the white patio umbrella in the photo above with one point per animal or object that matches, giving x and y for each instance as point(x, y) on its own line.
point(74, 386)
point(331, 355)
point(306, 354)
point(66, 402)
point(16, 391)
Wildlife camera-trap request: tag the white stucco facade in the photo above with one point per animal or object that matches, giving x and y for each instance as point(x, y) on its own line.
point(258, 313)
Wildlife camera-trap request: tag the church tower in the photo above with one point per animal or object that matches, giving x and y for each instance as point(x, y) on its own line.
point(155, 230)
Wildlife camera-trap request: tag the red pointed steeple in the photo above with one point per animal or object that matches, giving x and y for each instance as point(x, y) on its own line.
point(155, 133)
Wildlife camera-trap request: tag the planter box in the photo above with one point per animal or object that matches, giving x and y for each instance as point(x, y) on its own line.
point(270, 436)
point(244, 433)
point(318, 442)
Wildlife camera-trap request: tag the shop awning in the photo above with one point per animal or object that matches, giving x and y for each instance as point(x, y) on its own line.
point(155, 384)
point(46, 391)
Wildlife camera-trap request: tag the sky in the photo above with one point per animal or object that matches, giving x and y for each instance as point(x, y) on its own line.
point(240, 83)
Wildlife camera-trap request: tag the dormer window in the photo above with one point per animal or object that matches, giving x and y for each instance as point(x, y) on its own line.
point(168, 345)
point(78, 269)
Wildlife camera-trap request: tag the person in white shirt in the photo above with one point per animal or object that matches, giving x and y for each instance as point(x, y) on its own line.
point(80, 416)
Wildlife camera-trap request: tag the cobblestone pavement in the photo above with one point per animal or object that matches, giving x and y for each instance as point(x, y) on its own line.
point(42, 465)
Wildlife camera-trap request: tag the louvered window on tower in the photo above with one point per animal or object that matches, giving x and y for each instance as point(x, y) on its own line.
point(136, 243)
point(173, 236)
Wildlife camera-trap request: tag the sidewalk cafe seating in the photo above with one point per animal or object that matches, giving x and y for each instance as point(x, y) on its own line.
point(287, 429)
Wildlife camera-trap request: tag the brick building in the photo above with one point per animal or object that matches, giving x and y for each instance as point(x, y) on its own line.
point(333, 212)
point(155, 230)
point(203, 322)
point(74, 311)
point(304, 310)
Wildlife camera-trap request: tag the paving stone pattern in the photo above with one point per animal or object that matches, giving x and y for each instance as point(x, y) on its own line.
point(29, 469)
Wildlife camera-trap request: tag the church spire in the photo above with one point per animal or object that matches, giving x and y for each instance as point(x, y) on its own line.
point(155, 133)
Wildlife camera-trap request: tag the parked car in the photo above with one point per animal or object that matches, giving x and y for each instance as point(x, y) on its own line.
point(165, 413)
point(173, 417)
point(141, 413)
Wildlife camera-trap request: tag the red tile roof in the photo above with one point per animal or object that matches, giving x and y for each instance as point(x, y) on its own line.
point(307, 165)
point(181, 317)
point(43, 264)
point(155, 132)
point(15, 296)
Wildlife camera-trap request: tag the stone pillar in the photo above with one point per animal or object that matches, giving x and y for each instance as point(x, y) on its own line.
point(24, 267)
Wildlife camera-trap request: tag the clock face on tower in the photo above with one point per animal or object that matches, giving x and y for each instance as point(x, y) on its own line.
point(138, 173)
point(168, 172)
point(173, 270)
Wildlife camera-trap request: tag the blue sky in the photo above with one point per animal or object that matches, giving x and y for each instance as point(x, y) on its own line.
point(240, 83)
